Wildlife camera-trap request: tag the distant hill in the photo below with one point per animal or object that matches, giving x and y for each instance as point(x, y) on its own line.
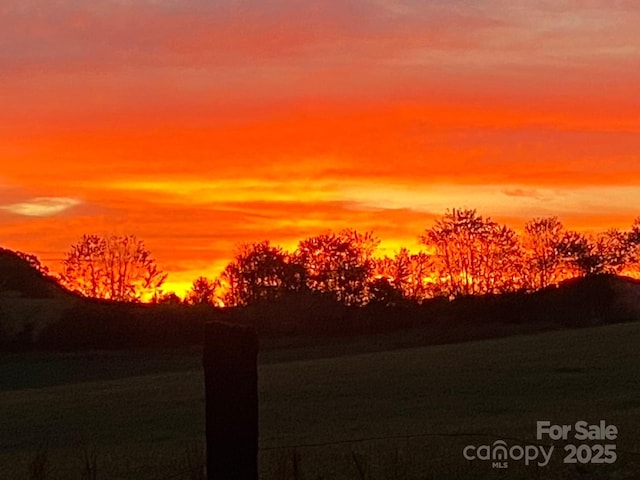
point(36, 312)
point(19, 278)
point(593, 300)
point(30, 301)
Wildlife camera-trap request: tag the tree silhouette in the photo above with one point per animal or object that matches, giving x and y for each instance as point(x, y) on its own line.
point(633, 249)
point(339, 263)
point(474, 255)
point(111, 267)
point(34, 261)
point(260, 272)
point(383, 291)
point(166, 298)
point(203, 292)
point(409, 273)
point(502, 260)
point(614, 250)
point(634, 234)
point(579, 253)
point(542, 239)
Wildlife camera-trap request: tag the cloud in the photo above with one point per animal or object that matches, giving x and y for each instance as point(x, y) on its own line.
point(41, 206)
point(84, 35)
point(228, 191)
point(524, 192)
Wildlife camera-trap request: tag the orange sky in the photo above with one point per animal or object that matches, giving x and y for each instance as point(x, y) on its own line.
point(198, 125)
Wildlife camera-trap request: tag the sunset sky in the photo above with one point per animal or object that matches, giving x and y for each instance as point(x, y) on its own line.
point(197, 125)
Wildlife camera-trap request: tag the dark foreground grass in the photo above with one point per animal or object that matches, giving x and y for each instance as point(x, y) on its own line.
point(401, 414)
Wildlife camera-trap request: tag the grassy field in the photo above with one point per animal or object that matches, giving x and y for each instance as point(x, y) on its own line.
point(398, 414)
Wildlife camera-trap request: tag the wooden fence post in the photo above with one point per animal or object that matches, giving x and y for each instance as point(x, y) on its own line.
point(231, 385)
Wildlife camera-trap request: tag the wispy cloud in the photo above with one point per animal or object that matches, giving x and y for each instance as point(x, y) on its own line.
point(525, 193)
point(227, 191)
point(41, 206)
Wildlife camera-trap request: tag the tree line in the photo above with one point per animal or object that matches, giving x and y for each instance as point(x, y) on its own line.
point(463, 253)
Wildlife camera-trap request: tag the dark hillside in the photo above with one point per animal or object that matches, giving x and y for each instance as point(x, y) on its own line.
point(36, 312)
point(18, 278)
point(592, 300)
point(29, 301)
point(94, 324)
